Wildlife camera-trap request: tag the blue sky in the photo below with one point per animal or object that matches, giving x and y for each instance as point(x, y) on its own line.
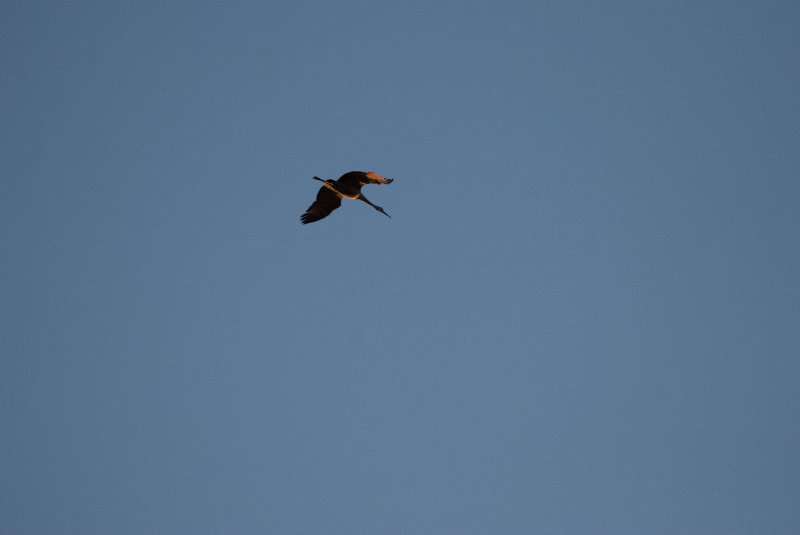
point(581, 318)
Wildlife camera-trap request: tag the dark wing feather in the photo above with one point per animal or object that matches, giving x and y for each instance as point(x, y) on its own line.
point(327, 201)
point(353, 178)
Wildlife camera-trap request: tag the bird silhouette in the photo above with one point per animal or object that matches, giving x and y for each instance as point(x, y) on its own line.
point(349, 185)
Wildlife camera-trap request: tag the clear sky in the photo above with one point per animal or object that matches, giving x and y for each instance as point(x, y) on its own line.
point(583, 316)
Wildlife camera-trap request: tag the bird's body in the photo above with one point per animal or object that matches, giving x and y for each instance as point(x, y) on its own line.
point(349, 185)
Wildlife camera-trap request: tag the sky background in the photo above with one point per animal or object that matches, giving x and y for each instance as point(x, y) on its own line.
point(583, 316)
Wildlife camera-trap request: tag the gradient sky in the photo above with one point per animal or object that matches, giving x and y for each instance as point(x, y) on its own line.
point(583, 317)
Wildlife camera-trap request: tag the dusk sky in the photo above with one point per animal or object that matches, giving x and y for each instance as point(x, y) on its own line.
point(582, 318)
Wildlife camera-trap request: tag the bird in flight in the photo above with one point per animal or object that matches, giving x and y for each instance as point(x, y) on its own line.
point(349, 185)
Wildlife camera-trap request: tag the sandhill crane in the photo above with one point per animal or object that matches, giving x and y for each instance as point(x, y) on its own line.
point(330, 195)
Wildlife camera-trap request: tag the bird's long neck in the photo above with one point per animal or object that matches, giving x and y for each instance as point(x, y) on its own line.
point(378, 208)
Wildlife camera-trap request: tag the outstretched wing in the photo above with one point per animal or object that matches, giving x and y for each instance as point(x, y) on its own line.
point(360, 178)
point(327, 201)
